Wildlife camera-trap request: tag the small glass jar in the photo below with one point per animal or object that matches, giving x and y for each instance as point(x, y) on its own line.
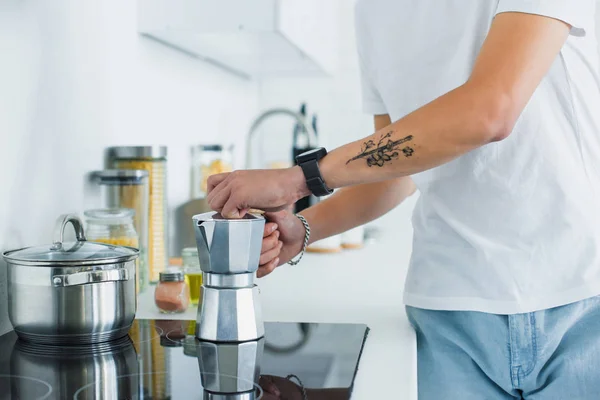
point(193, 273)
point(113, 226)
point(172, 294)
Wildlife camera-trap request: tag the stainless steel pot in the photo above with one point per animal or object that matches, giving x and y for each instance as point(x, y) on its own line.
point(105, 371)
point(71, 293)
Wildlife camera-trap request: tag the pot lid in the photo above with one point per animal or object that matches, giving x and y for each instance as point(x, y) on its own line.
point(80, 252)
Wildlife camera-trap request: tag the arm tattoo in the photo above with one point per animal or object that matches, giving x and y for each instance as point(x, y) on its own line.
point(381, 153)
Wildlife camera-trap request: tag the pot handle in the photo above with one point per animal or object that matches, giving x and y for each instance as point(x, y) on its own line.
point(82, 278)
point(59, 229)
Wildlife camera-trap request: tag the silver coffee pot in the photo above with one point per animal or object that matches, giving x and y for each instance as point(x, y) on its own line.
point(229, 253)
point(230, 371)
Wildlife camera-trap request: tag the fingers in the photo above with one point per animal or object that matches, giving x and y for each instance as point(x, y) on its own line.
point(269, 228)
point(269, 243)
point(217, 184)
point(271, 247)
point(220, 196)
point(232, 208)
point(265, 270)
point(214, 180)
point(270, 254)
point(267, 384)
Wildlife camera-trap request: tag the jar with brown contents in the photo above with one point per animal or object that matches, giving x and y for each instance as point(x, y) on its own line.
point(172, 294)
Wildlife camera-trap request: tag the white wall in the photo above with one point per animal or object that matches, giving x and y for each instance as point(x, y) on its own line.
point(76, 77)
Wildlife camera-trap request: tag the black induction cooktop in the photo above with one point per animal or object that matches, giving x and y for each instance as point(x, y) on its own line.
point(161, 359)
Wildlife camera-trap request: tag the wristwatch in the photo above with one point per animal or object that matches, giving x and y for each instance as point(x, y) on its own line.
point(309, 162)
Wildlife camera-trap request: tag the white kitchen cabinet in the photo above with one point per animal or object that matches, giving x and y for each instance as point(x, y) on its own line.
point(248, 37)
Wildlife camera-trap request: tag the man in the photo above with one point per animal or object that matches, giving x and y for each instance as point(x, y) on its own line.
point(495, 116)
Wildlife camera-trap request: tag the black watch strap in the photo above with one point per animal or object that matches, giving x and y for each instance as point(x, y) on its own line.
point(314, 180)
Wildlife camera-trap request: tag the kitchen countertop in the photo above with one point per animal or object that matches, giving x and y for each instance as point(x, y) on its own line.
point(354, 286)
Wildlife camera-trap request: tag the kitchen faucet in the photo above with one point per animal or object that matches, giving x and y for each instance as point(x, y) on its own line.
point(312, 136)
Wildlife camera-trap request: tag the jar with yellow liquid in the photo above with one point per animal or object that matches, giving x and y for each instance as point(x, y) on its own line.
point(113, 226)
point(193, 273)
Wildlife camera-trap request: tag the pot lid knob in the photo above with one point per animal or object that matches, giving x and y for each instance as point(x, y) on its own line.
point(59, 230)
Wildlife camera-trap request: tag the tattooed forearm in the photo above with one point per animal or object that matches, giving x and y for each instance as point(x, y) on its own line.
point(381, 153)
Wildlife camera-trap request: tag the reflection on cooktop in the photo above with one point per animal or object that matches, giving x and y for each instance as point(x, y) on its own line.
point(161, 359)
point(36, 388)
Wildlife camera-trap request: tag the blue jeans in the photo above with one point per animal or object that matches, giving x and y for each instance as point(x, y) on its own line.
point(549, 354)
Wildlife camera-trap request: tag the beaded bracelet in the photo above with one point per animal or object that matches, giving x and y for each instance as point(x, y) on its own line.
point(306, 238)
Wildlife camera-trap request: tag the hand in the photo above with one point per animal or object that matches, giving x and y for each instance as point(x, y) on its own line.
point(283, 239)
point(276, 388)
point(233, 194)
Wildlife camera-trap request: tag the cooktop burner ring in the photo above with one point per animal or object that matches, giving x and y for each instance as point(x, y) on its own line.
point(177, 341)
point(91, 384)
point(77, 350)
point(156, 334)
point(29, 378)
point(74, 339)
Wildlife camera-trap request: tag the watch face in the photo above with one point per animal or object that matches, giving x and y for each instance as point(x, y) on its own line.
point(310, 152)
point(315, 154)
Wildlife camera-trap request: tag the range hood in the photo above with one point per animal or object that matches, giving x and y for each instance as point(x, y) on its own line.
point(250, 38)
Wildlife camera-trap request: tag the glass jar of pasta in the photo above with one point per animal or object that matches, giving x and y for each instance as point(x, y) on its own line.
point(113, 226)
point(128, 188)
point(154, 160)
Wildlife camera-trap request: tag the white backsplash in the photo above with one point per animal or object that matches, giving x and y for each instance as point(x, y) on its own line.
point(79, 78)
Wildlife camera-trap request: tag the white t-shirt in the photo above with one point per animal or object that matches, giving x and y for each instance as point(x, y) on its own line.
point(513, 226)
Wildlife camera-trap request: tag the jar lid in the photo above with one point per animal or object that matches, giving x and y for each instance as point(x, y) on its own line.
point(114, 215)
point(138, 152)
point(119, 177)
point(78, 253)
point(209, 147)
point(171, 275)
